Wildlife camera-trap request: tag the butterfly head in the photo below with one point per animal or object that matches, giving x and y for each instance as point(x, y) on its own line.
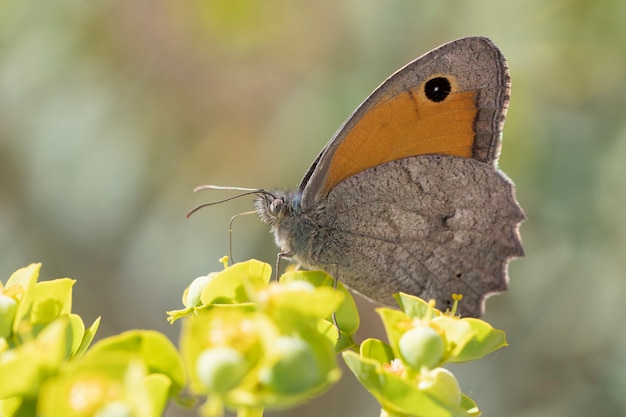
point(274, 207)
point(283, 213)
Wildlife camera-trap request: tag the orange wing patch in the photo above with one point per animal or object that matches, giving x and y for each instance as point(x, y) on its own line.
point(407, 124)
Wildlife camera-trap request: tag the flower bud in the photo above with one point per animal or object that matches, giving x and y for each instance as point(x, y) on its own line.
point(296, 369)
point(421, 346)
point(440, 383)
point(220, 369)
point(8, 308)
point(195, 290)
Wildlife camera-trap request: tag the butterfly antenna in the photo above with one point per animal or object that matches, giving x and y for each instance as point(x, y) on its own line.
point(220, 187)
point(248, 191)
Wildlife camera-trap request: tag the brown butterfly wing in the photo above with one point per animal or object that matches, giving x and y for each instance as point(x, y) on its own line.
point(431, 228)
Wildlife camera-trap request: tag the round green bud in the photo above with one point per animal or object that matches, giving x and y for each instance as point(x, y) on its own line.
point(195, 290)
point(220, 369)
point(296, 369)
point(441, 383)
point(421, 346)
point(8, 308)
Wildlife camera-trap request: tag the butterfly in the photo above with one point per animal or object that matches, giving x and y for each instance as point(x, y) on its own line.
point(407, 196)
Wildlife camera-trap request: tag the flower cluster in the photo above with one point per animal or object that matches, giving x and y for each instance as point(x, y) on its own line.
point(250, 344)
point(46, 368)
point(247, 344)
point(406, 376)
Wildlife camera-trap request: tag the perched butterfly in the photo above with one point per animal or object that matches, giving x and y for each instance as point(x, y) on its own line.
point(407, 195)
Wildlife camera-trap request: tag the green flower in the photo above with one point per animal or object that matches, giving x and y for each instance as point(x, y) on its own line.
point(252, 344)
point(294, 367)
point(421, 346)
point(134, 373)
point(220, 369)
point(401, 391)
point(405, 376)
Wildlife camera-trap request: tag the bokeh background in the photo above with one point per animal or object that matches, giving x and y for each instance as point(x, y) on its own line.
point(111, 112)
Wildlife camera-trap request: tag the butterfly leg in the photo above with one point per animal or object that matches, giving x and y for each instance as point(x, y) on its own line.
point(334, 315)
point(279, 258)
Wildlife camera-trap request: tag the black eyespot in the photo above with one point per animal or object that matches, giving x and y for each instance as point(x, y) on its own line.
point(437, 89)
point(459, 274)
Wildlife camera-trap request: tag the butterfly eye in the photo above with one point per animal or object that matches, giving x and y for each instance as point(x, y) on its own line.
point(278, 208)
point(437, 89)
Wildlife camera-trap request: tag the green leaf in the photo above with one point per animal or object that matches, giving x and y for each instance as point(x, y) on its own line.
point(108, 383)
point(51, 300)
point(24, 361)
point(376, 350)
point(54, 343)
point(18, 407)
point(469, 405)
point(236, 283)
point(146, 393)
point(24, 279)
point(77, 330)
point(88, 336)
point(346, 313)
point(321, 303)
point(415, 307)
point(299, 301)
point(365, 369)
point(397, 395)
point(154, 350)
point(158, 386)
point(329, 330)
point(82, 388)
point(396, 324)
point(35, 360)
point(471, 338)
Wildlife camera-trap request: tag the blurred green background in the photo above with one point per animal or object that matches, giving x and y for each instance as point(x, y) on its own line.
point(112, 111)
